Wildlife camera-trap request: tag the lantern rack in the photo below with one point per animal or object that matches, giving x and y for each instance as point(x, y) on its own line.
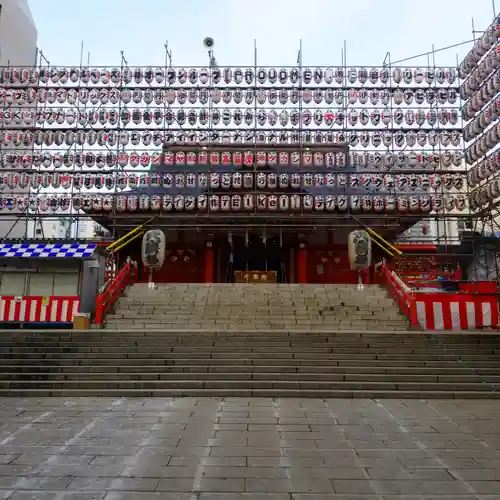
point(118, 222)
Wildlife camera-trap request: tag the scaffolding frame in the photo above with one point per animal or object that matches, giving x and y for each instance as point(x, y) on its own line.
point(245, 221)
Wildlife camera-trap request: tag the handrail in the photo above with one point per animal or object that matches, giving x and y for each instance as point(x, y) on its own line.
point(389, 248)
point(125, 243)
point(127, 236)
point(110, 295)
point(401, 293)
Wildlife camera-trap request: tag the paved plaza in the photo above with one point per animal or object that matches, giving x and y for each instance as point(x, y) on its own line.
point(222, 449)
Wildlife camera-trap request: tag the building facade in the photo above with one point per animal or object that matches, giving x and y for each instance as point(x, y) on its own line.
point(246, 170)
point(18, 48)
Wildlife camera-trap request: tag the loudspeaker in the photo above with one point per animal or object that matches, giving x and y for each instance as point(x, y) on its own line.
point(360, 250)
point(208, 42)
point(153, 249)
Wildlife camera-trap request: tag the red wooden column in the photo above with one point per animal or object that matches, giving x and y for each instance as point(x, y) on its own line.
point(302, 264)
point(209, 263)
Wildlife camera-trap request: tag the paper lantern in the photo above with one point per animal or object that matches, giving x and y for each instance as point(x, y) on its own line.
point(153, 249)
point(359, 250)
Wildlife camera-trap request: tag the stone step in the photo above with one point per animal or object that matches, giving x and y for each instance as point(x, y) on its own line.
point(174, 326)
point(282, 318)
point(389, 313)
point(249, 384)
point(255, 334)
point(249, 335)
point(247, 393)
point(261, 369)
point(280, 325)
point(247, 300)
point(190, 344)
point(395, 378)
point(320, 321)
point(325, 347)
point(237, 342)
point(249, 289)
point(241, 334)
point(150, 340)
point(96, 361)
point(281, 347)
point(281, 293)
point(152, 344)
point(271, 306)
point(211, 357)
point(251, 356)
point(341, 306)
point(232, 351)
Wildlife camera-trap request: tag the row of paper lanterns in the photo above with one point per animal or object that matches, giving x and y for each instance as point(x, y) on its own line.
point(227, 75)
point(483, 144)
point(482, 46)
point(484, 169)
point(485, 94)
point(228, 117)
point(137, 159)
point(227, 203)
point(249, 97)
point(12, 139)
point(485, 195)
point(238, 180)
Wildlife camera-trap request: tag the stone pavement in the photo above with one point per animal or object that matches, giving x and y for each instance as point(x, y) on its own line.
point(214, 449)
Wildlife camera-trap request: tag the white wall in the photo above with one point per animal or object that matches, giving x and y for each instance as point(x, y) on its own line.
point(18, 34)
point(62, 227)
point(18, 42)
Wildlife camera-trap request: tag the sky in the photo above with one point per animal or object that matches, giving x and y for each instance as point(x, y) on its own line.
point(140, 28)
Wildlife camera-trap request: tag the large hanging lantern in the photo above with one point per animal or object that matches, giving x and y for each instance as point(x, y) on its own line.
point(153, 249)
point(359, 250)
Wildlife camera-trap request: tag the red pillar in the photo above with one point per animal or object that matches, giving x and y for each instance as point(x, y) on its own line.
point(209, 263)
point(302, 264)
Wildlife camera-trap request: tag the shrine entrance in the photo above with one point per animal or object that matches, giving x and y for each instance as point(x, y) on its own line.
point(255, 258)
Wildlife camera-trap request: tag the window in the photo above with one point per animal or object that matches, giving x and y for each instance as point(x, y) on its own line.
point(12, 283)
point(40, 284)
point(66, 284)
point(48, 283)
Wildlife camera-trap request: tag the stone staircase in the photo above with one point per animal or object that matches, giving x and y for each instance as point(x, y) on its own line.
point(266, 306)
point(227, 363)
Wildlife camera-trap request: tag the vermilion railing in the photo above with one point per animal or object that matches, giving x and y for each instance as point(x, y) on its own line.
point(420, 280)
point(401, 293)
point(417, 280)
point(114, 289)
point(473, 306)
